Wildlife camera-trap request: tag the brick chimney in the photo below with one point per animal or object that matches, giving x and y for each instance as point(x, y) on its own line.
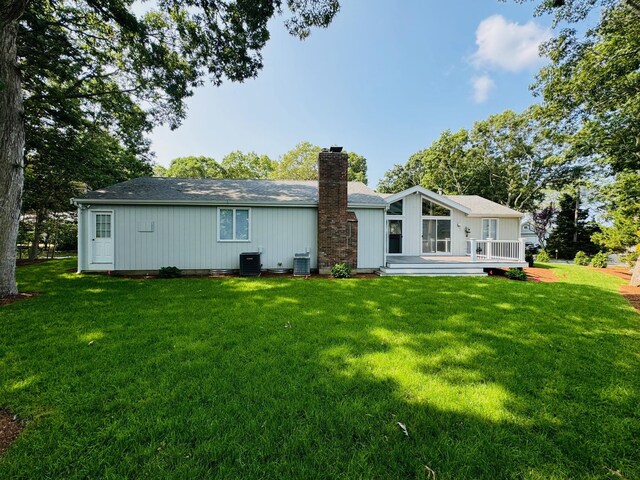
point(337, 228)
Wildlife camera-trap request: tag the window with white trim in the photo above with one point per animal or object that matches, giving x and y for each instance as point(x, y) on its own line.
point(490, 228)
point(396, 208)
point(234, 224)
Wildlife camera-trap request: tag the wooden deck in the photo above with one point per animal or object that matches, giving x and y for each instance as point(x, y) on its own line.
point(439, 265)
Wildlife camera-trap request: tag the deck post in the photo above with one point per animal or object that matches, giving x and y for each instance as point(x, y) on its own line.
point(489, 248)
point(474, 249)
point(521, 252)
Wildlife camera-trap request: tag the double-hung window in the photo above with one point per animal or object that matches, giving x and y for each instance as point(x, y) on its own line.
point(234, 224)
point(490, 228)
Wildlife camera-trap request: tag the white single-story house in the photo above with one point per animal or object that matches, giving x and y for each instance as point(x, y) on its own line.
point(200, 225)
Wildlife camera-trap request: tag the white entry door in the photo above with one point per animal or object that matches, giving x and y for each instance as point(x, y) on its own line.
point(101, 237)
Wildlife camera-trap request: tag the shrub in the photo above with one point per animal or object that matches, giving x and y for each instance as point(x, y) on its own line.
point(169, 272)
point(581, 258)
point(599, 260)
point(516, 274)
point(528, 257)
point(341, 270)
point(542, 256)
point(631, 257)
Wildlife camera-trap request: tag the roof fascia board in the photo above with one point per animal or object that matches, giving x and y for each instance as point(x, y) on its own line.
point(107, 201)
point(428, 193)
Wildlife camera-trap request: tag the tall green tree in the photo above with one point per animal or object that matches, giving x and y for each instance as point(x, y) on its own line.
point(123, 62)
point(194, 167)
point(572, 231)
point(357, 168)
point(508, 158)
point(622, 207)
point(593, 82)
point(61, 164)
point(301, 163)
point(247, 165)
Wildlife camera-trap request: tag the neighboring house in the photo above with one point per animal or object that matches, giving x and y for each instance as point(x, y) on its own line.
point(528, 232)
point(199, 225)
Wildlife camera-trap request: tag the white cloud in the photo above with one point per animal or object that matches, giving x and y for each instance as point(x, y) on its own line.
point(508, 45)
point(482, 85)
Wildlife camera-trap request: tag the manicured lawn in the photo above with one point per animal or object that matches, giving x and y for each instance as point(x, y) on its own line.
point(294, 378)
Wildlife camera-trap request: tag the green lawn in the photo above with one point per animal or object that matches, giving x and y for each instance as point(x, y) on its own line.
point(294, 378)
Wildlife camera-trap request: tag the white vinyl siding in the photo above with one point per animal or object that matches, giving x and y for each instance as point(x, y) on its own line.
point(186, 237)
point(370, 237)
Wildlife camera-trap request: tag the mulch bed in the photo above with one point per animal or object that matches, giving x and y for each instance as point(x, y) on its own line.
point(534, 274)
point(16, 298)
point(266, 274)
point(10, 428)
point(545, 275)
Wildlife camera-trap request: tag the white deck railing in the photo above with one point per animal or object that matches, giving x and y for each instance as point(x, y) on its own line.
point(483, 250)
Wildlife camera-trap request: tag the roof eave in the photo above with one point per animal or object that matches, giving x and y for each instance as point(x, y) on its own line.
point(282, 203)
point(495, 215)
point(433, 195)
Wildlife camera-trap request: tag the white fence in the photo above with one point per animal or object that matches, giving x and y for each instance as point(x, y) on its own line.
point(483, 250)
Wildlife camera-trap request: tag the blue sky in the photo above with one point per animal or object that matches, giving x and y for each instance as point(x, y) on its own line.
point(383, 80)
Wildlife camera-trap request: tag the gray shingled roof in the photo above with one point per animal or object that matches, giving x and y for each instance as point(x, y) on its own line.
point(481, 206)
point(185, 190)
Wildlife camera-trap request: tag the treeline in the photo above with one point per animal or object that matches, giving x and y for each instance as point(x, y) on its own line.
point(582, 140)
point(299, 163)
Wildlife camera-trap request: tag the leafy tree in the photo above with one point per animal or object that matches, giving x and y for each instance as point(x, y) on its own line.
point(572, 11)
point(594, 82)
point(542, 220)
point(521, 155)
point(401, 177)
point(247, 165)
point(450, 165)
point(62, 164)
point(194, 167)
point(301, 163)
point(622, 199)
point(159, 171)
point(112, 61)
point(357, 168)
point(572, 231)
point(508, 158)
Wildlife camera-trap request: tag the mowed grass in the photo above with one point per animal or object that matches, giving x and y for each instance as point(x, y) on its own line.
point(293, 378)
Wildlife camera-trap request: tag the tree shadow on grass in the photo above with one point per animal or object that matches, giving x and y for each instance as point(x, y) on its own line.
point(309, 379)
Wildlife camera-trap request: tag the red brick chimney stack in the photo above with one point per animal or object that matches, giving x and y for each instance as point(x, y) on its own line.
point(337, 228)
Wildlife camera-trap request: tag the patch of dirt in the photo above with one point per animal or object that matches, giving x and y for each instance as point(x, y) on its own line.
point(16, 298)
point(10, 428)
point(544, 275)
point(621, 272)
point(534, 274)
point(22, 262)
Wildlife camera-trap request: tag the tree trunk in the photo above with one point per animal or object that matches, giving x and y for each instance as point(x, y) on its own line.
point(11, 143)
point(576, 217)
point(37, 231)
point(635, 276)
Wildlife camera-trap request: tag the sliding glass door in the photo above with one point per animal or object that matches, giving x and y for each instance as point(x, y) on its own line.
point(436, 236)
